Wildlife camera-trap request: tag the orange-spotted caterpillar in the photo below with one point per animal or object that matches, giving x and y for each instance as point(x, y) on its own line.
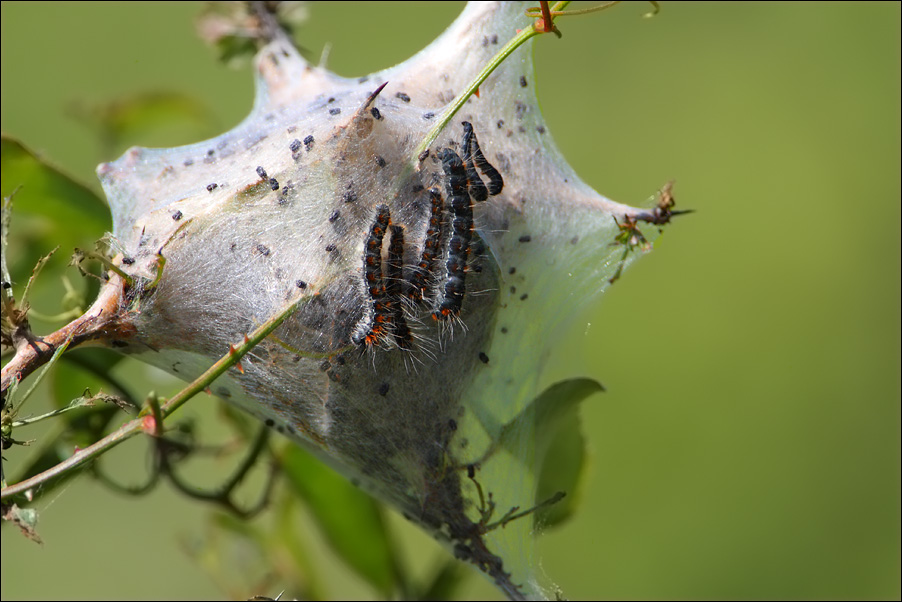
point(371, 328)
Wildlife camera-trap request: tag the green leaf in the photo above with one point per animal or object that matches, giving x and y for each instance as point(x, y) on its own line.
point(68, 206)
point(350, 519)
point(559, 452)
point(562, 469)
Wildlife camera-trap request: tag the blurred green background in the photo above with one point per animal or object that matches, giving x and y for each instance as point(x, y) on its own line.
point(749, 442)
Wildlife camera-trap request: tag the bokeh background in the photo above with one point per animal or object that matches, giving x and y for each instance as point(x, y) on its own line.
point(749, 442)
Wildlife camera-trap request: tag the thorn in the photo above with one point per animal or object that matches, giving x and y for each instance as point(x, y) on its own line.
point(374, 95)
point(361, 120)
point(232, 351)
point(369, 101)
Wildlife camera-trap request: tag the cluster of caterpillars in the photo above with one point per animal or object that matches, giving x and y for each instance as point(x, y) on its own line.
point(384, 320)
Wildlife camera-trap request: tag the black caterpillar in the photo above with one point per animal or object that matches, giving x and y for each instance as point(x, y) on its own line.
point(372, 328)
point(471, 149)
point(394, 286)
point(461, 234)
point(419, 279)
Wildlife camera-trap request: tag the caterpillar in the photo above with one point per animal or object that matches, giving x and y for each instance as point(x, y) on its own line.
point(476, 187)
point(394, 277)
point(471, 148)
point(372, 327)
point(426, 265)
point(462, 233)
